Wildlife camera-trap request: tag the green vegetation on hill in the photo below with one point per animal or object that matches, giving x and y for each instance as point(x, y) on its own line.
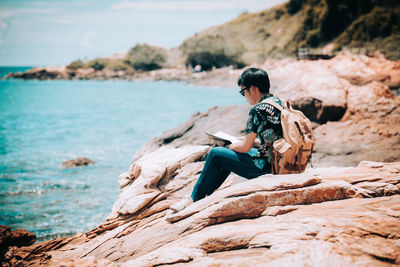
point(97, 63)
point(345, 23)
point(146, 57)
point(375, 30)
point(76, 64)
point(117, 64)
point(338, 24)
point(108, 64)
point(142, 57)
point(212, 51)
point(100, 64)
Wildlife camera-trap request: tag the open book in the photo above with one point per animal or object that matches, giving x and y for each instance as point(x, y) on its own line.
point(221, 136)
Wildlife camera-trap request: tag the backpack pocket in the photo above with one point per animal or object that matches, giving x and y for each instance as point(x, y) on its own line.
point(288, 159)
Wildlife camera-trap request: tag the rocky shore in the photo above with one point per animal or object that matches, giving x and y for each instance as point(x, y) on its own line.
point(325, 216)
point(357, 69)
point(343, 212)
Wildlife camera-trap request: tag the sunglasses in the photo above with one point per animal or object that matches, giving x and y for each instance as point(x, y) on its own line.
point(242, 91)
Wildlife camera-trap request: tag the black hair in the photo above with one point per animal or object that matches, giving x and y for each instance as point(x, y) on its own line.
point(256, 77)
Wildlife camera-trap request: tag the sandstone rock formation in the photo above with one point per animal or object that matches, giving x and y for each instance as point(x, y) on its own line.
point(340, 216)
point(82, 161)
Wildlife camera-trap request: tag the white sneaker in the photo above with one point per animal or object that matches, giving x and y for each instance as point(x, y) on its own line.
point(183, 204)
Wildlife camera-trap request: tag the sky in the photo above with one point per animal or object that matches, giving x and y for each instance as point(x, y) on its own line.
point(55, 32)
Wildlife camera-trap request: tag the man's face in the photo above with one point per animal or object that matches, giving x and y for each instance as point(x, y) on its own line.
point(249, 94)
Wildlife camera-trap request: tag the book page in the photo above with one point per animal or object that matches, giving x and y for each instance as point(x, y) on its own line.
point(224, 137)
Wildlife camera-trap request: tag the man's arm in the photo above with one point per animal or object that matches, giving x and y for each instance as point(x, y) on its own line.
point(245, 145)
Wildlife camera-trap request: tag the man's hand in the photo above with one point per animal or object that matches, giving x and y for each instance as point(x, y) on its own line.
point(245, 145)
point(257, 143)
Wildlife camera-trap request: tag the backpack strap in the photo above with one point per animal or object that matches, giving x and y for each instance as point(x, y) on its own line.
point(273, 103)
point(274, 163)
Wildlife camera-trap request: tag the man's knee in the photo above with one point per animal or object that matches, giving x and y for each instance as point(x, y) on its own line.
point(217, 151)
point(219, 154)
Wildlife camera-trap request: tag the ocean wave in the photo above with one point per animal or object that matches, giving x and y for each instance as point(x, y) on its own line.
point(47, 187)
point(46, 237)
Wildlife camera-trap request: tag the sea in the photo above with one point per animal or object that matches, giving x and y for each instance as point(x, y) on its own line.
point(44, 123)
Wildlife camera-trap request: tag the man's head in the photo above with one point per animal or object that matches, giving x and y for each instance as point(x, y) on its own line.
point(255, 77)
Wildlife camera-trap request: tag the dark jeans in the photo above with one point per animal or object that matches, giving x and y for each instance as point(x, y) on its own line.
point(221, 161)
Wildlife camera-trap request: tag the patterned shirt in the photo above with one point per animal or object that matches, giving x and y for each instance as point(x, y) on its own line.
point(264, 120)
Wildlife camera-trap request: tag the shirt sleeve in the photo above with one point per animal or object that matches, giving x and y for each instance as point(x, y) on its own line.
point(271, 114)
point(252, 122)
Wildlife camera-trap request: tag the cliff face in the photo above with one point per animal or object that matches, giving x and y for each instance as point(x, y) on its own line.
point(344, 211)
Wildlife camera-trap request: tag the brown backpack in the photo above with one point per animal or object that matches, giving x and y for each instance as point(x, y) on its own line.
point(292, 152)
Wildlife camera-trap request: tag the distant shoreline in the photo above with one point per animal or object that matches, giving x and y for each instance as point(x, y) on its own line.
point(223, 77)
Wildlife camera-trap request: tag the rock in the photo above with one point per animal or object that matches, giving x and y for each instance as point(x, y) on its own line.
point(5, 233)
point(10, 240)
point(317, 111)
point(77, 162)
point(312, 87)
point(380, 189)
point(168, 255)
point(149, 173)
point(347, 143)
point(258, 221)
point(371, 164)
point(361, 69)
point(21, 237)
point(366, 132)
point(63, 73)
point(278, 210)
point(89, 261)
point(359, 99)
point(253, 205)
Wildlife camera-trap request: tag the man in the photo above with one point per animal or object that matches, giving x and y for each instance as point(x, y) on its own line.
point(263, 122)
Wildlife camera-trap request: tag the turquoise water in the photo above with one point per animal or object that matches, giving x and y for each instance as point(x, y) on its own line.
point(43, 123)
